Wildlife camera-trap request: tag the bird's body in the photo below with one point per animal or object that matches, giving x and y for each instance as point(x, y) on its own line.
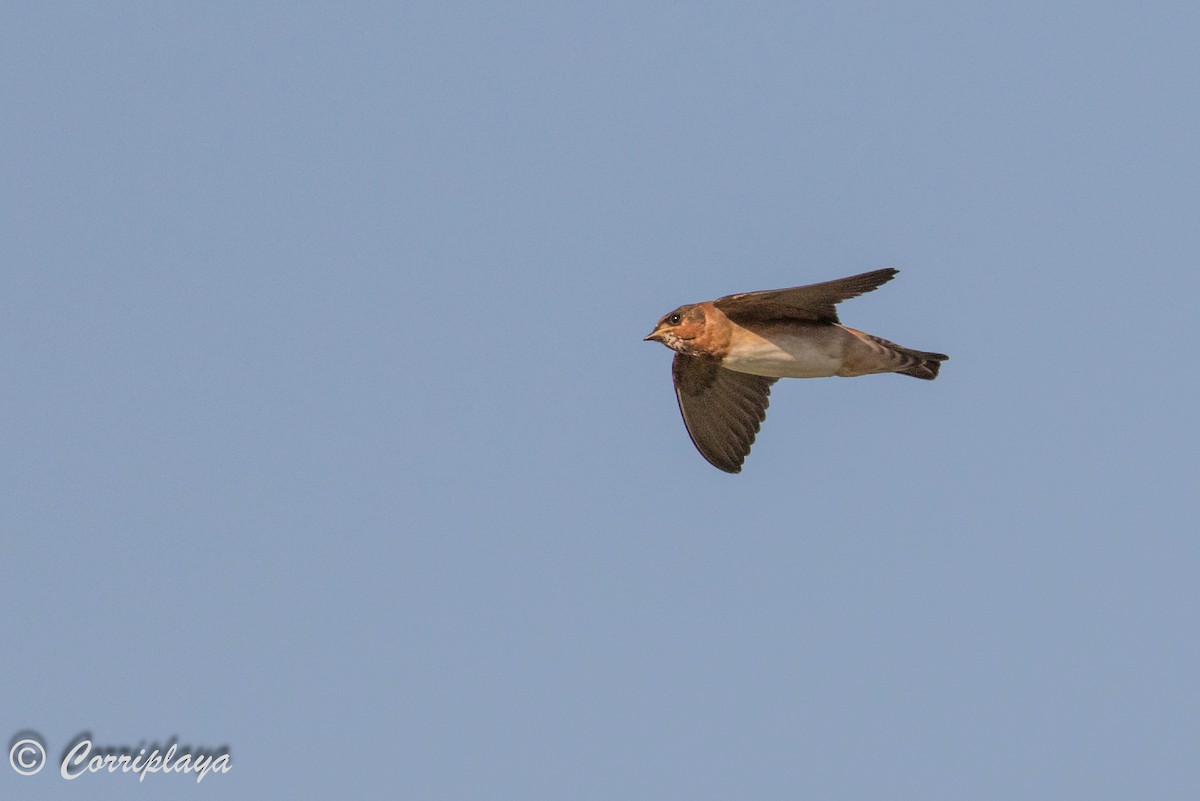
point(804, 350)
point(730, 351)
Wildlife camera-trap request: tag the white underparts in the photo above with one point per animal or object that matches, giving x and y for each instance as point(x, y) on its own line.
point(807, 352)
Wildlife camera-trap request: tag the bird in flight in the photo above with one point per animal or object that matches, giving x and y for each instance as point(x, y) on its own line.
point(729, 351)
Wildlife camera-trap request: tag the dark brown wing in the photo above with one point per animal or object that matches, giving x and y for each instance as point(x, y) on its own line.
point(814, 302)
point(721, 409)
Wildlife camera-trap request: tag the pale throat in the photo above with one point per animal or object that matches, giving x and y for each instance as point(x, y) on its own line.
point(680, 345)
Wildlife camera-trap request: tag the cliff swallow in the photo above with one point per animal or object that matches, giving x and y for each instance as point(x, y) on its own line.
point(729, 351)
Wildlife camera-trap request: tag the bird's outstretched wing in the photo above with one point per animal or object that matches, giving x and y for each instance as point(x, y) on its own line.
point(814, 302)
point(722, 409)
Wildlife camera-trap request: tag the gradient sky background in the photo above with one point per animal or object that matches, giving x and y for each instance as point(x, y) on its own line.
point(330, 434)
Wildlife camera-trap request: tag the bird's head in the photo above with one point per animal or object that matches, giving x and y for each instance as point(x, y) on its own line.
point(677, 329)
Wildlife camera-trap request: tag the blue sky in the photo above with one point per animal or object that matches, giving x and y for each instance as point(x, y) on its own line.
point(330, 434)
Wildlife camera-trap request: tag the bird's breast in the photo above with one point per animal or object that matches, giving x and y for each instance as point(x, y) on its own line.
point(787, 351)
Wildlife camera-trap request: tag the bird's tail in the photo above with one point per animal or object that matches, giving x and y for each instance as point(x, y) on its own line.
point(917, 363)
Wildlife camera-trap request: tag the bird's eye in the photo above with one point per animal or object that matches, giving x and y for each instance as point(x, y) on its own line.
point(674, 319)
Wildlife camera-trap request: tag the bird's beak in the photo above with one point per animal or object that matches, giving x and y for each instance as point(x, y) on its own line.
point(653, 336)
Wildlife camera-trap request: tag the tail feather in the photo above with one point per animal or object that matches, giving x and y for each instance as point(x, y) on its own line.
point(917, 363)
